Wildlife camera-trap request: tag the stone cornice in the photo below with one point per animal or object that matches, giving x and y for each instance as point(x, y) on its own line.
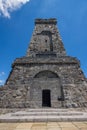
point(60, 61)
point(46, 21)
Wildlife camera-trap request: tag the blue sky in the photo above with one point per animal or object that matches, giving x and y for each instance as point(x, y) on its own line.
point(17, 24)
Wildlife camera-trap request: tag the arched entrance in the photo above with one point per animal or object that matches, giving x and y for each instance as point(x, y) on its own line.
point(46, 90)
point(46, 74)
point(46, 98)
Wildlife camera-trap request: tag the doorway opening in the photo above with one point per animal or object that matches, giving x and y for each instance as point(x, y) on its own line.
point(46, 98)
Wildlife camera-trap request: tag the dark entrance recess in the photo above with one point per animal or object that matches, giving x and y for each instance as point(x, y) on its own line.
point(46, 98)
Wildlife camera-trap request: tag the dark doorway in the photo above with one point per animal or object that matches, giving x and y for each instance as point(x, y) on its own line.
point(46, 98)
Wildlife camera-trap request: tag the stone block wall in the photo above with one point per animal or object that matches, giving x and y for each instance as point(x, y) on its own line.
point(24, 90)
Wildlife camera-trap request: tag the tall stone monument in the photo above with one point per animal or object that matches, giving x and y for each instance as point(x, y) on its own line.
point(46, 76)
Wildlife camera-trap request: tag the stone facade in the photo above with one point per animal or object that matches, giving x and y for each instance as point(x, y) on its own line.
point(46, 76)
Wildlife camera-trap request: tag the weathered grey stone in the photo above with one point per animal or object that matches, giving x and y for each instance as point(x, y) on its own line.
point(45, 73)
point(46, 115)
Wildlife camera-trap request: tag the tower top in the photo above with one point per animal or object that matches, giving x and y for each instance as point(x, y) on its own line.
point(46, 21)
point(46, 39)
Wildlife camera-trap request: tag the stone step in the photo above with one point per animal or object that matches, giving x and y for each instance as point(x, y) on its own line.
point(39, 115)
point(47, 113)
point(47, 109)
point(51, 110)
point(42, 119)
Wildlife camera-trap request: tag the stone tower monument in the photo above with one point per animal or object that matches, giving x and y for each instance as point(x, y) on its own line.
point(46, 76)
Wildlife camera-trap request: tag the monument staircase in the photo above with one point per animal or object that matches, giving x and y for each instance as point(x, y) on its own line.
point(45, 115)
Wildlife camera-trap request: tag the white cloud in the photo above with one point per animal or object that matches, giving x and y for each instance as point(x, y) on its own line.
point(2, 73)
point(1, 82)
point(1, 78)
point(7, 6)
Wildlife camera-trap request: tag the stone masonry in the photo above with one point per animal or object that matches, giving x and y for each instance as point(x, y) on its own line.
point(46, 76)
